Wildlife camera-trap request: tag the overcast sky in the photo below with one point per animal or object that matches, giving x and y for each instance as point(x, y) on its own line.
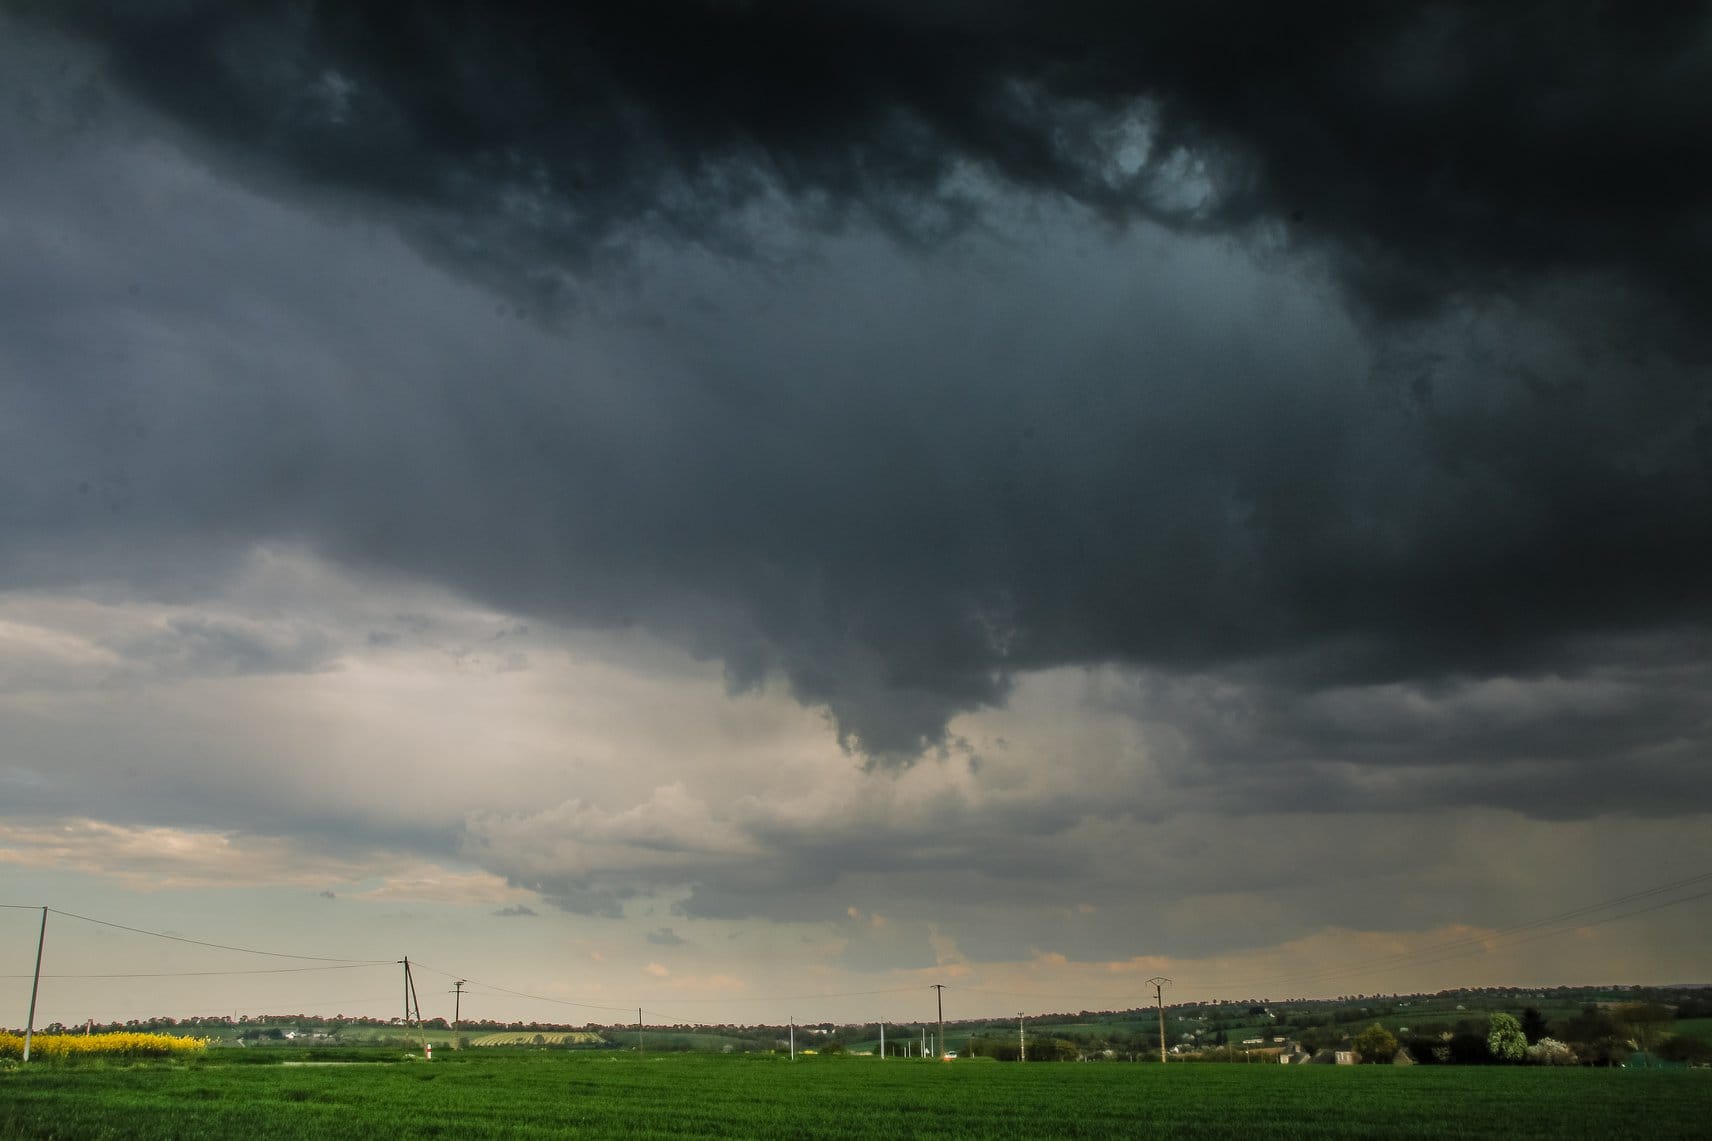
point(693, 504)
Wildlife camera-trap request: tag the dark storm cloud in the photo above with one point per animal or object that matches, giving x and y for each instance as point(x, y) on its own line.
point(1545, 745)
point(894, 487)
point(1434, 147)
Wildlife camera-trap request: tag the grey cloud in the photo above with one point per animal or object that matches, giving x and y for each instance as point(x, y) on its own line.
point(1545, 745)
point(1431, 149)
point(516, 911)
point(900, 483)
point(214, 647)
point(163, 757)
point(665, 937)
point(591, 860)
point(1007, 881)
point(892, 945)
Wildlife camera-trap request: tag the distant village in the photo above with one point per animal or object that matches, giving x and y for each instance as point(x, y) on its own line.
point(1589, 1026)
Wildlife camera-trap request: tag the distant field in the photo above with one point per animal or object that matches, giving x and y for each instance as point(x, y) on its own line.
point(542, 1038)
point(476, 1094)
point(348, 1035)
point(1142, 1026)
point(691, 1040)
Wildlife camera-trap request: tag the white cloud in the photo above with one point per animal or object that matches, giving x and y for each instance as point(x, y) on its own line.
point(160, 859)
point(432, 884)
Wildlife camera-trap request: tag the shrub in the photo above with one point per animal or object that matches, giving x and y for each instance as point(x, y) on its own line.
point(1428, 1050)
point(1469, 1049)
point(1551, 1052)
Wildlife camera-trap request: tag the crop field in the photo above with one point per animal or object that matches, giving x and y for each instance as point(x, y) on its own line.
point(676, 1040)
point(544, 1038)
point(1699, 1027)
point(53, 1047)
point(550, 1095)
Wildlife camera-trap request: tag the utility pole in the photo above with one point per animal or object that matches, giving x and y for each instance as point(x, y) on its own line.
point(457, 1010)
point(1159, 982)
point(413, 1008)
point(940, 987)
point(1022, 1040)
point(639, 1048)
point(35, 985)
point(793, 1019)
point(882, 1041)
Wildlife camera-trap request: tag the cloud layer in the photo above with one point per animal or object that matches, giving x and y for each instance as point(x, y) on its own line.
point(528, 441)
point(865, 491)
point(1436, 148)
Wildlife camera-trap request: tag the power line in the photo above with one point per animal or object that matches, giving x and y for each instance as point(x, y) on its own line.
point(1482, 941)
point(1501, 939)
point(1062, 996)
point(518, 993)
point(389, 997)
point(626, 1009)
point(1586, 915)
point(1561, 930)
point(218, 946)
point(197, 974)
point(794, 997)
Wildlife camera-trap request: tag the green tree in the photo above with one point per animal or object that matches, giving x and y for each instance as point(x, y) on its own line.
point(1643, 1023)
point(1053, 1050)
point(1376, 1044)
point(1317, 1038)
point(1535, 1025)
point(1591, 1025)
point(1505, 1040)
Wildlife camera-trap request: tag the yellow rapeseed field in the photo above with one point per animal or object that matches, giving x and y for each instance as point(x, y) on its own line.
point(124, 1045)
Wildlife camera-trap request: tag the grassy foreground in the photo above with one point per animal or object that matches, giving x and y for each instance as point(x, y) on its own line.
point(477, 1095)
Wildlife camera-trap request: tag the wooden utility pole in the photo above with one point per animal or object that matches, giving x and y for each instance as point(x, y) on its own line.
point(412, 1007)
point(940, 987)
point(457, 1010)
point(640, 1050)
point(35, 985)
point(1159, 982)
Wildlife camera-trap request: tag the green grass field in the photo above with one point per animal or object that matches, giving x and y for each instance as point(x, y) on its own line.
point(597, 1095)
point(1699, 1027)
